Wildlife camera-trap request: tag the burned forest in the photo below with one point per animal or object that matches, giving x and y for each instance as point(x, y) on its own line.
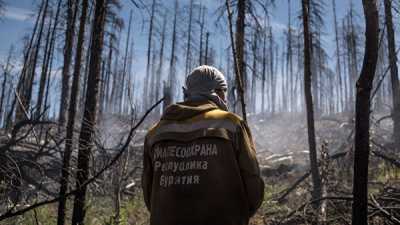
point(85, 83)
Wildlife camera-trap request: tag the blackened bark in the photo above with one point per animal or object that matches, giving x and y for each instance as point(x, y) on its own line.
point(338, 61)
point(24, 106)
point(169, 89)
point(90, 112)
point(206, 54)
point(43, 74)
point(239, 79)
point(47, 59)
point(124, 71)
point(24, 68)
point(239, 53)
point(271, 69)
point(254, 77)
point(72, 9)
point(161, 60)
point(364, 86)
point(189, 41)
point(6, 71)
point(394, 72)
point(149, 44)
point(316, 193)
point(71, 116)
point(263, 73)
point(202, 12)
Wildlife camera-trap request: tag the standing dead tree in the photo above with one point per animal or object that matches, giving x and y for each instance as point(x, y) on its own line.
point(72, 8)
point(25, 90)
point(149, 49)
point(316, 194)
point(339, 89)
point(65, 171)
point(47, 60)
point(121, 96)
point(6, 74)
point(170, 88)
point(394, 72)
point(238, 57)
point(90, 111)
point(189, 41)
point(364, 87)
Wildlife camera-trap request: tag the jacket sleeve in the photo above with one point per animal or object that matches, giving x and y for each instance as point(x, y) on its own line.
point(147, 176)
point(249, 169)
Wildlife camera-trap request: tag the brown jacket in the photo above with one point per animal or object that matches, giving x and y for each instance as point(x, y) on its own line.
point(200, 168)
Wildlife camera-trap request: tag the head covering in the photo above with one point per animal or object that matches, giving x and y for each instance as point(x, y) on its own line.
point(202, 82)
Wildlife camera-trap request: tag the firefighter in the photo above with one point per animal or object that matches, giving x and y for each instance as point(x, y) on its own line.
point(199, 163)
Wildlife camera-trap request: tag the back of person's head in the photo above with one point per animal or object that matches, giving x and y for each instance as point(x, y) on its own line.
point(205, 80)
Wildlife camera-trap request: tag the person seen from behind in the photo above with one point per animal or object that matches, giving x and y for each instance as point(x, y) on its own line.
point(199, 163)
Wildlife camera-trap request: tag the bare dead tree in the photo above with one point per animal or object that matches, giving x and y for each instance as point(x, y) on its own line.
point(25, 93)
point(170, 88)
point(340, 87)
point(161, 59)
point(6, 74)
point(48, 53)
point(394, 72)
point(90, 112)
point(238, 57)
point(254, 49)
point(362, 142)
point(124, 69)
point(316, 194)
point(149, 48)
point(72, 10)
point(65, 170)
point(188, 62)
point(263, 70)
point(203, 11)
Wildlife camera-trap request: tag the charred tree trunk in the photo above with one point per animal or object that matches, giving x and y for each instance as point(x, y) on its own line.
point(338, 61)
point(65, 171)
point(316, 179)
point(238, 58)
point(394, 72)
point(6, 70)
point(206, 55)
point(46, 97)
point(170, 88)
point(108, 95)
point(364, 86)
point(25, 98)
point(272, 70)
point(43, 74)
point(189, 40)
point(254, 77)
point(23, 73)
point(239, 47)
point(149, 44)
point(161, 59)
point(124, 71)
point(47, 60)
point(72, 9)
point(290, 60)
point(90, 112)
point(202, 23)
point(264, 68)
